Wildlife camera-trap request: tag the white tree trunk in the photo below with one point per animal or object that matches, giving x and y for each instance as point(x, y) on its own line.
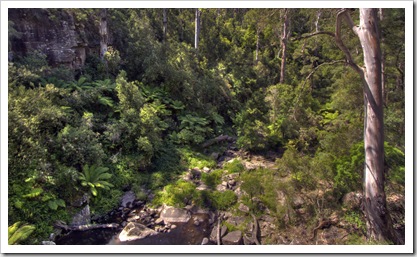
point(197, 27)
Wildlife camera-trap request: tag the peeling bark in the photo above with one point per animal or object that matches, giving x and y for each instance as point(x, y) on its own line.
point(379, 223)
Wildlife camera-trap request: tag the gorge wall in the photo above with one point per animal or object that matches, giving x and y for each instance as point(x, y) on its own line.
point(57, 33)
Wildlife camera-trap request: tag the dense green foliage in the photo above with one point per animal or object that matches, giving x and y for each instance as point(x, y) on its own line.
point(137, 118)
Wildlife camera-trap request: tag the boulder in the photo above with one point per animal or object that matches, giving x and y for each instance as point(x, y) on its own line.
point(127, 199)
point(243, 208)
point(221, 187)
point(248, 241)
point(298, 201)
point(80, 201)
point(48, 243)
point(233, 238)
point(213, 235)
point(205, 241)
point(135, 231)
point(172, 214)
point(159, 221)
point(82, 218)
point(236, 220)
point(281, 198)
point(202, 187)
point(206, 170)
point(196, 173)
point(214, 155)
point(352, 200)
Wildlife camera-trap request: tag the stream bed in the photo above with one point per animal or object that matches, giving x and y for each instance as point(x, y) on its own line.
point(187, 233)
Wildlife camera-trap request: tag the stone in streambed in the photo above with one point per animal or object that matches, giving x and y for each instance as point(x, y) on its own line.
point(135, 231)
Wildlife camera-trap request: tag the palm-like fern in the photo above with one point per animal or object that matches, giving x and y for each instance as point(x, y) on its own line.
point(95, 177)
point(19, 232)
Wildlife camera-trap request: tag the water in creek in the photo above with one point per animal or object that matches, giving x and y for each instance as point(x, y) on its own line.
point(184, 234)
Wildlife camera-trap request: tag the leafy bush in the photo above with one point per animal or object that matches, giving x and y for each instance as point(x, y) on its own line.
point(193, 159)
point(235, 166)
point(178, 194)
point(223, 200)
point(212, 179)
point(193, 129)
point(298, 166)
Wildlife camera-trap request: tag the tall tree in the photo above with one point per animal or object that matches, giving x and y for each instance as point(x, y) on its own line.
point(379, 224)
point(197, 27)
point(284, 39)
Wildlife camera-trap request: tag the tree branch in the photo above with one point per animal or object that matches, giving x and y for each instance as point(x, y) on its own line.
point(344, 13)
point(314, 34)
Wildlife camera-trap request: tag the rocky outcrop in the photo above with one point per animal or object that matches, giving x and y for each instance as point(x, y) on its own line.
point(55, 33)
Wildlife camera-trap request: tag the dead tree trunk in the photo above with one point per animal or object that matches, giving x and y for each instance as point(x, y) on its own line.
point(284, 40)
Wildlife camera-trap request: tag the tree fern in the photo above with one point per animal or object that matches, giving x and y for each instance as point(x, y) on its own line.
point(95, 177)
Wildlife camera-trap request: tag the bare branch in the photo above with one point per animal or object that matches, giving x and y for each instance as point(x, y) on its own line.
point(314, 34)
point(339, 42)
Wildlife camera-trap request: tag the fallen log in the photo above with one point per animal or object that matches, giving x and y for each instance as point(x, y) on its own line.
point(218, 139)
point(255, 231)
point(85, 227)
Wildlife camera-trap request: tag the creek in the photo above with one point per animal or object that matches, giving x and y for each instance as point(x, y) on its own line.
point(187, 233)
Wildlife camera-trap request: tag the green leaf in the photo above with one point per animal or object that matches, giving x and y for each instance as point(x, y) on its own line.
point(94, 191)
point(21, 234)
point(13, 228)
point(34, 193)
point(61, 203)
point(52, 204)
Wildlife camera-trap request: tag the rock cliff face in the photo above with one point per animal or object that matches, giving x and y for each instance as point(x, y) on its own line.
point(55, 33)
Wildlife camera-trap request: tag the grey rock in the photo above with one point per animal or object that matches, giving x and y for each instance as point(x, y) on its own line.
point(221, 188)
point(243, 208)
point(213, 235)
point(233, 238)
point(202, 187)
point(81, 200)
point(205, 241)
point(215, 155)
point(135, 231)
point(172, 214)
point(232, 182)
point(248, 241)
point(127, 199)
point(159, 221)
point(206, 170)
point(82, 218)
point(352, 200)
point(236, 220)
point(298, 201)
point(48, 243)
